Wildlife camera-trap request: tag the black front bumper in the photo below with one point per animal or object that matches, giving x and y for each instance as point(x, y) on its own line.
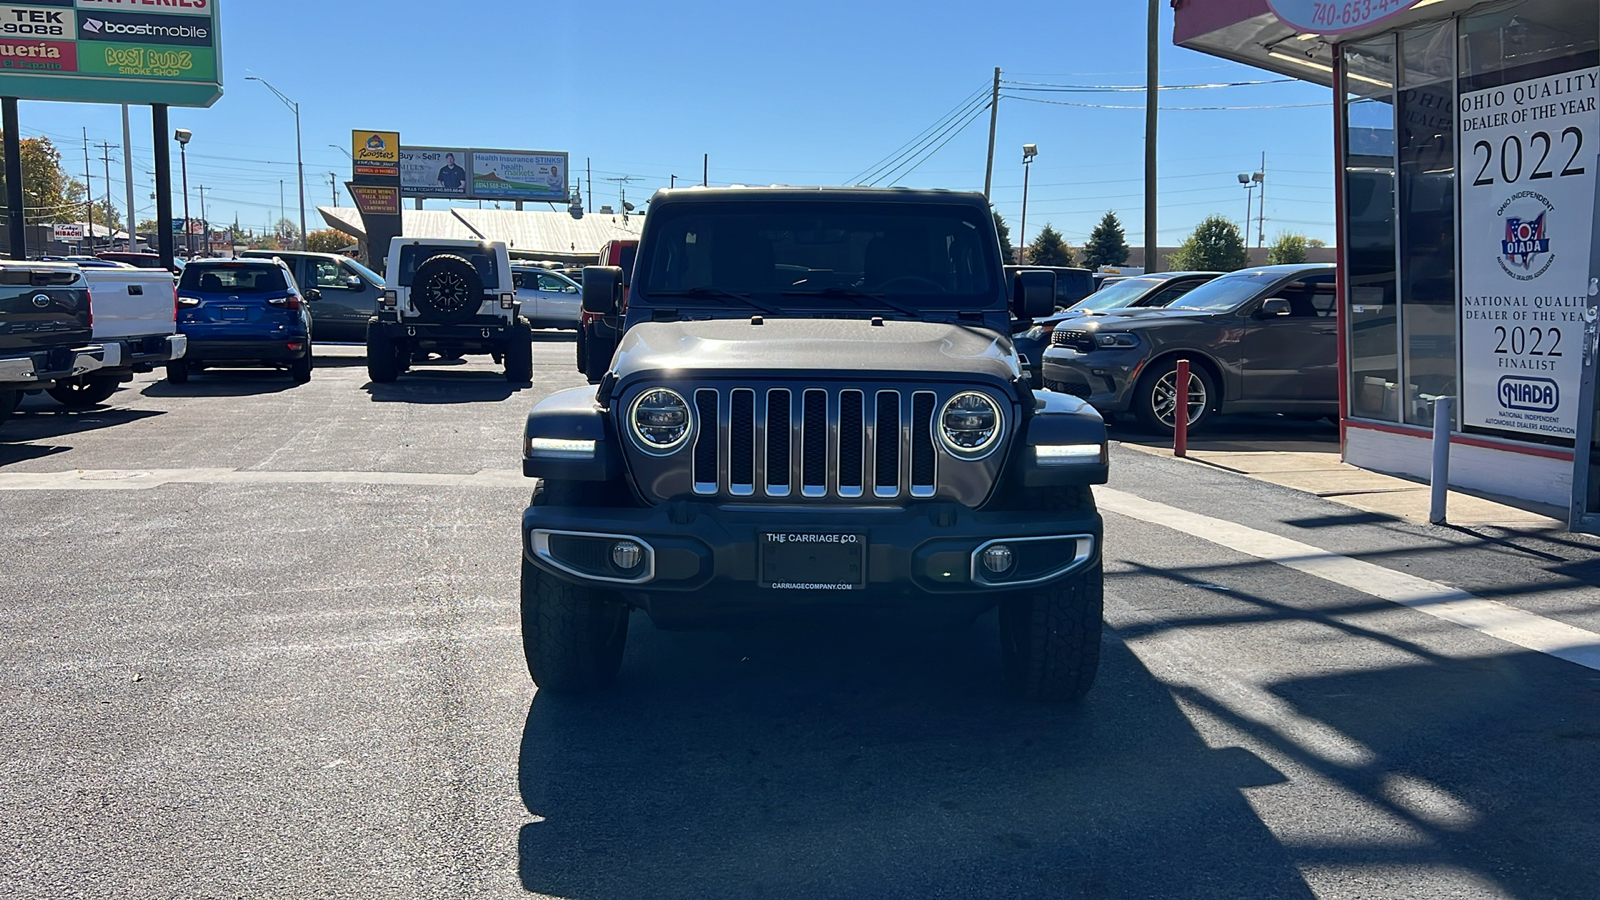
point(704, 558)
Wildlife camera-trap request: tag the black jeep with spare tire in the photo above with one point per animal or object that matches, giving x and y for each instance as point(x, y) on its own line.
point(815, 410)
point(448, 298)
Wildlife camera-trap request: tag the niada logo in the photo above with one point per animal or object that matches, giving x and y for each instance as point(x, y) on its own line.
point(1529, 394)
point(1525, 246)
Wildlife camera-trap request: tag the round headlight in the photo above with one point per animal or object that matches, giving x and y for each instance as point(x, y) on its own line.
point(660, 420)
point(970, 424)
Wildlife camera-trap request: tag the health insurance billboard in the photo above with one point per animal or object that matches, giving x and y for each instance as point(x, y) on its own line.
point(111, 51)
point(519, 175)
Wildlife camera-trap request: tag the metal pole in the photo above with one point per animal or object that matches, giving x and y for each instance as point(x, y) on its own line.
point(1152, 93)
point(127, 178)
point(588, 182)
point(1249, 189)
point(1261, 236)
point(705, 171)
point(994, 121)
point(111, 233)
point(205, 223)
point(88, 186)
point(188, 227)
point(301, 160)
point(1443, 417)
point(163, 153)
point(16, 222)
point(1022, 229)
point(1180, 410)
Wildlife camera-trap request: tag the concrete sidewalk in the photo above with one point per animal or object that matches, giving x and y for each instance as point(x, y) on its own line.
point(1316, 469)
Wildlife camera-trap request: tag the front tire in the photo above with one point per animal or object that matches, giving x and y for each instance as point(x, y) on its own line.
point(383, 358)
point(572, 637)
point(1156, 400)
point(85, 390)
point(519, 354)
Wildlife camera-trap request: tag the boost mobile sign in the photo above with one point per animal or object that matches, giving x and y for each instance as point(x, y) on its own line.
point(1527, 169)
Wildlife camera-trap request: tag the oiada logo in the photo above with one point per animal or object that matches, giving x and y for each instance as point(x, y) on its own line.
point(1524, 241)
point(1525, 244)
point(1529, 394)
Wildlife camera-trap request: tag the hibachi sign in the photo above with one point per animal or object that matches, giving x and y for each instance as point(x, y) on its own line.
point(111, 51)
point(1336, 16)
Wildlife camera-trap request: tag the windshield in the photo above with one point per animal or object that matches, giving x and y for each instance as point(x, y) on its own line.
point(365, 272)
point(1227, 292)
point(234, 278)
point(889, 257)
point(1120, 294)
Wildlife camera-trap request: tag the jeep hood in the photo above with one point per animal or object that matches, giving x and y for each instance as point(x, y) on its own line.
point(816, 345)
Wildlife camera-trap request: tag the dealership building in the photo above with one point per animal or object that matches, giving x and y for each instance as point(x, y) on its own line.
point(1468, 155)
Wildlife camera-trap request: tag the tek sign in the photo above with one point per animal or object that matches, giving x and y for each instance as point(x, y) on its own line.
point(1336, 16)
point(1527, 172)
point(111, 51)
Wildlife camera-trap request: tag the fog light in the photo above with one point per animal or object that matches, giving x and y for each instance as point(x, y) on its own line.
point(997, 559)
point(626, 555)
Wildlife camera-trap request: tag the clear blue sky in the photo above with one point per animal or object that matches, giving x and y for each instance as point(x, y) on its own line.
point(800, 94)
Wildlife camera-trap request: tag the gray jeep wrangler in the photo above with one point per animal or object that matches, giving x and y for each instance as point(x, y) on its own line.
point(815, 409)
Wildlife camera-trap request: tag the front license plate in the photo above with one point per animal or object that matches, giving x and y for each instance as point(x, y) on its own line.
point(807, 561)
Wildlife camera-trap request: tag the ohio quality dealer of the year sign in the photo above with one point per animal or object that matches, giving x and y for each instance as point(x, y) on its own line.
point(111, 51)
point(1527, 171)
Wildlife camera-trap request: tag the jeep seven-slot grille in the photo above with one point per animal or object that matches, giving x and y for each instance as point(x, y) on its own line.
point(815, 442)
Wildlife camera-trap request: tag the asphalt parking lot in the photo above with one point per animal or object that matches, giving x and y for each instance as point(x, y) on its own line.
point(262, 640)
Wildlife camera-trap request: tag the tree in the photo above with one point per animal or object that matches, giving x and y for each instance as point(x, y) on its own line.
point(1048, 249)
point(1216, 245)
point(328, 240)
point(1007, 252)
point(1318, 243)
point(287, 233)
point(106, 214)
point(49, 195)
point(265, 242)
point(1108, 245)
point(1287, 249)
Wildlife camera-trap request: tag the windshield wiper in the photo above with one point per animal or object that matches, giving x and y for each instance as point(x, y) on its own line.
point(851, 293)
point(705, 292)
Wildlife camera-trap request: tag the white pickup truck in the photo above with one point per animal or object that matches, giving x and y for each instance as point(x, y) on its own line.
point(136, 310)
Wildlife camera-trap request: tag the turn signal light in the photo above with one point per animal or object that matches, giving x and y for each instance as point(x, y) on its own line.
point(290, 302)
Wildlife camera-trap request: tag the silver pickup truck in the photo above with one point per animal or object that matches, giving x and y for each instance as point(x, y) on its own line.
point(135, 310)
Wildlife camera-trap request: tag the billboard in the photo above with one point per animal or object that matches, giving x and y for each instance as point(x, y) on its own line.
point(436, 172)
point(69, 233)
point(519, 175)
point(111, 51)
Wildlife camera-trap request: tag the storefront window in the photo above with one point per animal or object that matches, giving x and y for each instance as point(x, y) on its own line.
point(1369, 238)
point(1427, 151)
point(1527, 39)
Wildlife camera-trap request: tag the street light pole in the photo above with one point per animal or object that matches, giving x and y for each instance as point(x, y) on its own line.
point(298, 151)
point(1029, 151)
point(182, 136)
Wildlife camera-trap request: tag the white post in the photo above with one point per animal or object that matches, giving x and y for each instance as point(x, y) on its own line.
point(1443, 418)
point(127, 178)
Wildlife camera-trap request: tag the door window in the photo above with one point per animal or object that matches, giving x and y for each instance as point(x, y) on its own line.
point(1309, 298)
point(555, 285)
point(329, 276)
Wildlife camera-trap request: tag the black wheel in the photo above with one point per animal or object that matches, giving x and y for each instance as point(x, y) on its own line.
point(8, 404)
point(178, 372)
point(85, 390)
point(597, 359)
point(583, 349)
point(1050, 637)
point(1156, 400)
point(300, 369)
point(383, 358)
point(519, 354)
point(572, 637)
point(447, 289)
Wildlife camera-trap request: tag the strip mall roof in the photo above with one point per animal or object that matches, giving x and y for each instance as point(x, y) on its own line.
point(547, 232)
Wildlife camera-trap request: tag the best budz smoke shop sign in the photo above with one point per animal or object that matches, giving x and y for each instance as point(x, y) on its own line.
point(1527, 172)
point(111, 51)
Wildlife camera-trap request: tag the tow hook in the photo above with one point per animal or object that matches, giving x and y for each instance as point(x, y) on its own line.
point(486, 332)
point(411, 331)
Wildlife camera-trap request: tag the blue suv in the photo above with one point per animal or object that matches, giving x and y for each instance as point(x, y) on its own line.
point(242, 313)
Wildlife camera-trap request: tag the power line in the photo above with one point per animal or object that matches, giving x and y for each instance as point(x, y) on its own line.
point(1140, 108)
point(899, 153)
point(941, 138)
point(1041, 86)
point(931, 153)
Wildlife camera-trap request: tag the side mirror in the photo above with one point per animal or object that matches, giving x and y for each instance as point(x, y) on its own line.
point(313, 295)
point(354, 283)
point(1033, 294)
point(602, 290)
point(1273, 308)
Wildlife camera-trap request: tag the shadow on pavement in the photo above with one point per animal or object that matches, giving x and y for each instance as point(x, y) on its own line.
point(42, 418)
point(1240, 432)
point(435, 385)
point(225, 383)
point(822, 764)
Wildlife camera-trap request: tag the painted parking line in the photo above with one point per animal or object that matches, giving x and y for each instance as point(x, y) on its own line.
point(148, 479)
point(1488, 617)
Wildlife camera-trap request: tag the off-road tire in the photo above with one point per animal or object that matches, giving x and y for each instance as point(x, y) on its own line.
point(519, 353)
point(8, 404)
point(1050, 637)
point(85, 390)
point(383, 358)
point(572, 637)
point(1145, 402)
point(178, 372)
point(447, 289)
point(300, 369)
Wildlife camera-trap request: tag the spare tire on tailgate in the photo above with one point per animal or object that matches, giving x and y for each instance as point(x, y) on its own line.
point(447, 289)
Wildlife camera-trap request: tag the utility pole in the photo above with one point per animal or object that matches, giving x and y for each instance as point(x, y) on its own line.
point(283, 212)
point(105, 150)
point(1261, 236)
point(205, 223)
point(88, 186)
point(127, 177)
point(333, 183)
point(705, 171)
point(1152, 106)
point(994, 121)
point(588, 167)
